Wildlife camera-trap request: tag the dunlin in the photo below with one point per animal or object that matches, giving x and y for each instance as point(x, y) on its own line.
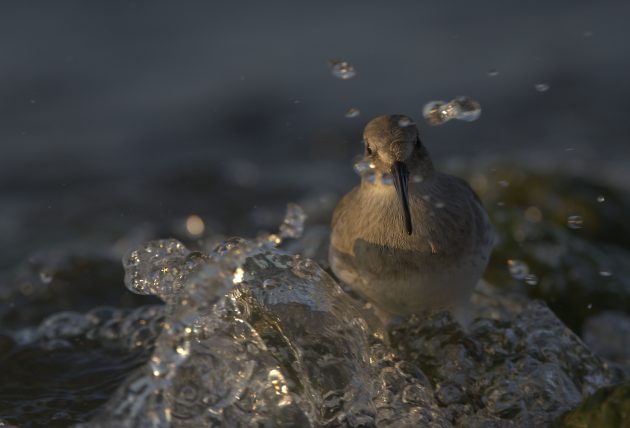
point(409, 238)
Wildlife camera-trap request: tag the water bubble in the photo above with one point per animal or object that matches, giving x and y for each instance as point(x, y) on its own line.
point(435, 113)
point(469, 109)
point(575, 222)
point(461, 108)
point(541, 87)
point(353, 112)
point(601, 198)
point(293, 224)
point(531, 279)
point(493, 73)
point(518, 269)
point(341, 69)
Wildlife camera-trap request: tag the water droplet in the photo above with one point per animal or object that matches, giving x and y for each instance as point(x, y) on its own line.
point(518, 269)
point(387, 179)
point(405, 122)
point(435, 113)
point(293, 224)
point(469, 109)
point(363, 165)
point(541, 87)
point(461, 108)
point(601, 198)
point(353, 112)
point(605, 273)
point(238, 276)
point(270, 284)
point(46, 277)
point(341, 69)
point(195, 225)
point(306, 269)
point(575, 222)
point(493, 73)
point(531, 279)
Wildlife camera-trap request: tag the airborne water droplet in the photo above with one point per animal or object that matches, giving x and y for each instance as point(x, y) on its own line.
point(531, 279)
point(575, 222)
point(518, 269)
point(469, 110)
point(601, 198)
point(461, 108)
point(352, 112)
point(493, 73)
point(541, 87)
point(341, 69)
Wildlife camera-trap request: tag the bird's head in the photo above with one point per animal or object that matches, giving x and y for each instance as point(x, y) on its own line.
point(393, 145)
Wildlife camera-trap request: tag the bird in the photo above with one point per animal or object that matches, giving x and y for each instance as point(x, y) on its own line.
point(408, 238)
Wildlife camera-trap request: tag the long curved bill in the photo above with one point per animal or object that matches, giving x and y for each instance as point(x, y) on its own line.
point(401, 182)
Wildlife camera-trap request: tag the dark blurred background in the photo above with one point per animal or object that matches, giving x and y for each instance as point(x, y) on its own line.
point(120, 119)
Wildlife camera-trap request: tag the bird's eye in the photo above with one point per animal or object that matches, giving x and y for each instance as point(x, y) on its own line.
point(368, 149)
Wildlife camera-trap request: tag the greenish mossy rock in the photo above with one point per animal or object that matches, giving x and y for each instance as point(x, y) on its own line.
point(578, 271)
point(609, 407)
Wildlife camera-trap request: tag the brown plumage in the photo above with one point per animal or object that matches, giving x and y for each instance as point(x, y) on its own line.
point(428, 261)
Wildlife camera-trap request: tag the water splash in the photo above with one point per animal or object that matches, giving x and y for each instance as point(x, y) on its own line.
point(253, 336)
point(341, 69)
point(461, 108)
